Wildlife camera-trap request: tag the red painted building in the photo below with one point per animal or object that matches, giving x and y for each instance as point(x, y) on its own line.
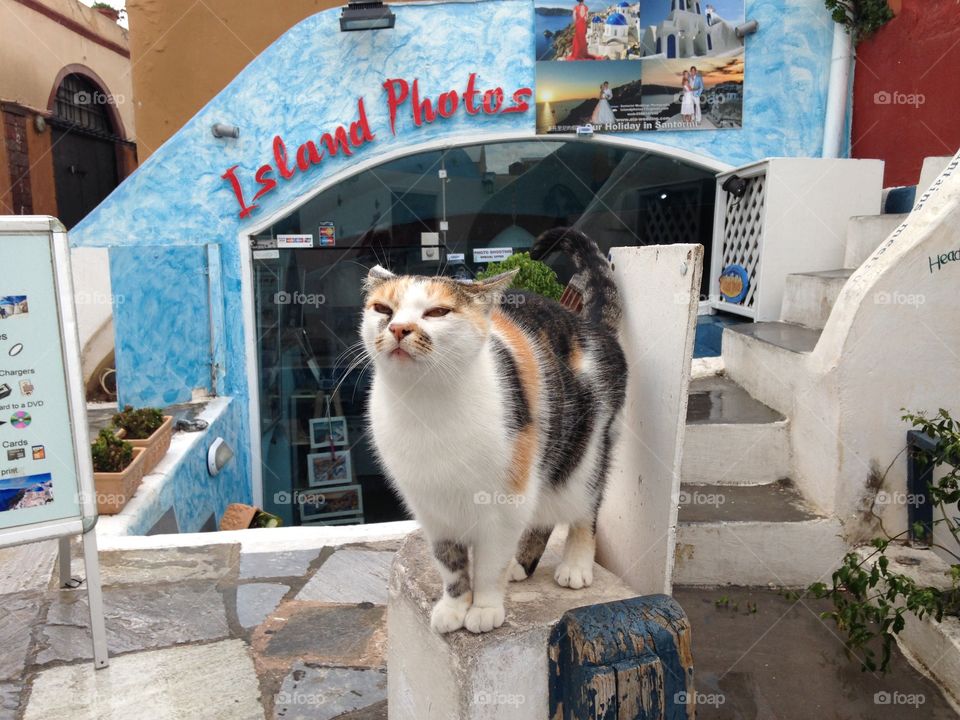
point(906, 102)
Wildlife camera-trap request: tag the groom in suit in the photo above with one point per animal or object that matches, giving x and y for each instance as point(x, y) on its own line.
point(696, 85)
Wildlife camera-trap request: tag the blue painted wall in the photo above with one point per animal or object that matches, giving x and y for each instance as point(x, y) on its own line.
point(164, 318)
point(190, 490)
point(307, 83)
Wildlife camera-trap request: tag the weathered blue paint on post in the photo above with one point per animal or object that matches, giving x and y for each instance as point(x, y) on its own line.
point(625, 659)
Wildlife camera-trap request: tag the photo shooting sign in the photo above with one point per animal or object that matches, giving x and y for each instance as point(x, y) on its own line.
point(40, 482)
point(645, 65)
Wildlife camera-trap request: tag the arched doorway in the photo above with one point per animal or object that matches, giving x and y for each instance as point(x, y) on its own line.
point(476, 200)
point(86, 132)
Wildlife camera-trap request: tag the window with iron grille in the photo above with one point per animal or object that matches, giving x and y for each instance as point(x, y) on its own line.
point(82, 106)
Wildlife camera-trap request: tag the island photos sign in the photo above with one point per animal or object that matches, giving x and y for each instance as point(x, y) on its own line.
point(400, 96)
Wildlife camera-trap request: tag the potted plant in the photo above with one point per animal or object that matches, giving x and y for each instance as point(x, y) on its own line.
point(146, 428)
point(117, 471)
point(534, 275)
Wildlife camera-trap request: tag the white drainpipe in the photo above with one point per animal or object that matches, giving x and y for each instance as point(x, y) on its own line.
point(838, 92)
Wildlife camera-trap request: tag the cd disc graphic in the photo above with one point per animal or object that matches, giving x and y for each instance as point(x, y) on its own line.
point(20, 419)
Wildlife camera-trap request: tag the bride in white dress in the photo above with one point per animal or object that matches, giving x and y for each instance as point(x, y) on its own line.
point(602, 114)
point(687, 108)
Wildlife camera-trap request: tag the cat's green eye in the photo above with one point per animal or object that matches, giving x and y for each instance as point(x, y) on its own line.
point(436, 312)
point(382, 309)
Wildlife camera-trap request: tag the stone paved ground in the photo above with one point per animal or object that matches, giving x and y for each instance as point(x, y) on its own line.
point(213, 632)
point(204, 632)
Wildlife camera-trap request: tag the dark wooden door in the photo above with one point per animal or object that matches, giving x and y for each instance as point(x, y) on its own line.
point(85, 172)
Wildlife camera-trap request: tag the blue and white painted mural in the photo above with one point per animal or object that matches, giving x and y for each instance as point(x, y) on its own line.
point(160, 220)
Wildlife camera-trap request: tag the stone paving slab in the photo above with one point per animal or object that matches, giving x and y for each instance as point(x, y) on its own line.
point(323, 634)
point(292, 563)
point(140, 567)
point(137, 618)
point(312, 693)
point(213, 682)
point(255, 601)
point(20, 616)
point(9, 700)
point(27, 567)
point(351, 576)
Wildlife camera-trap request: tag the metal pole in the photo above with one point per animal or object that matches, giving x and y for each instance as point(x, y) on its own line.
point(65, 577)
point(95, 599)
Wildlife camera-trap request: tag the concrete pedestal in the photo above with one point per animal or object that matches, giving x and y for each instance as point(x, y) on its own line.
point(460, 676)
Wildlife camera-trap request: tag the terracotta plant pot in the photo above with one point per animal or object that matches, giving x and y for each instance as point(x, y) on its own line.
point(156, 445)
point(114, 490)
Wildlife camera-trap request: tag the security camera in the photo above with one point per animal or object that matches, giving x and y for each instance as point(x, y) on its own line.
point(735, 185)
point(748, 28)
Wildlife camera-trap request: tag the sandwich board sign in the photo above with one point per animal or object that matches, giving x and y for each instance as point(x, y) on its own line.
point(46, 474)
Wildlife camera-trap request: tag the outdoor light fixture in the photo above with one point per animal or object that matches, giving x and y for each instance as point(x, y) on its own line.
point(735, 185)
point(218, 456)
point(222, 130)
point(366, 15)
point(748, 28)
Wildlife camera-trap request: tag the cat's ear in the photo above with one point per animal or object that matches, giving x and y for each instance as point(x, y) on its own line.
point(376, 276)
point(490, 291)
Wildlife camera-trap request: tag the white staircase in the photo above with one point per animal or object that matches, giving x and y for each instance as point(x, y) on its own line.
point(742, 520)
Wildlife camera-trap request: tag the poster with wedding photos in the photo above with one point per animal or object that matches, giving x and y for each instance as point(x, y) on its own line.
point(646, 65)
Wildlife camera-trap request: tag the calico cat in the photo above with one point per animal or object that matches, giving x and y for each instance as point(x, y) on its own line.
point(493, 413)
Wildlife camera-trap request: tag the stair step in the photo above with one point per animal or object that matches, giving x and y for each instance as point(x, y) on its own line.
point(753, 536)
point(809, 297)
point(776, 502)
point(865, 233)
point(732, 438)
point(930, 171)
point(766, 359)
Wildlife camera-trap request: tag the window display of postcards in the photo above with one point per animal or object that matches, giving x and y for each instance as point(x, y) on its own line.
point(334, 503)
point(327, 432)
point(329, 468)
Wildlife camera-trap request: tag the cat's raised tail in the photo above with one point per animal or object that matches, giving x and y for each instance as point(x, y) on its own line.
point(594, 277)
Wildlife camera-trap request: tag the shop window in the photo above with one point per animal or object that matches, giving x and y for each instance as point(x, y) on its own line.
point(318, 465)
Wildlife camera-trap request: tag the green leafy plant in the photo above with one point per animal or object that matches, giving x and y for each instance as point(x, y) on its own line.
point(534, 275)
point(102, 6)
point(861, 18)
point(110, 453)
point(869, 601)
point(138, 424)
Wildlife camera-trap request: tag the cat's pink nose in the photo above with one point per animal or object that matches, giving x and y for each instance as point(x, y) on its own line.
point(401, 330)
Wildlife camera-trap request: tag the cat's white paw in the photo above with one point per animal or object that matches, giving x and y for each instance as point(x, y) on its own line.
point(574, 576)
point(448, 615)
point(484, 619)
point(516, 573)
